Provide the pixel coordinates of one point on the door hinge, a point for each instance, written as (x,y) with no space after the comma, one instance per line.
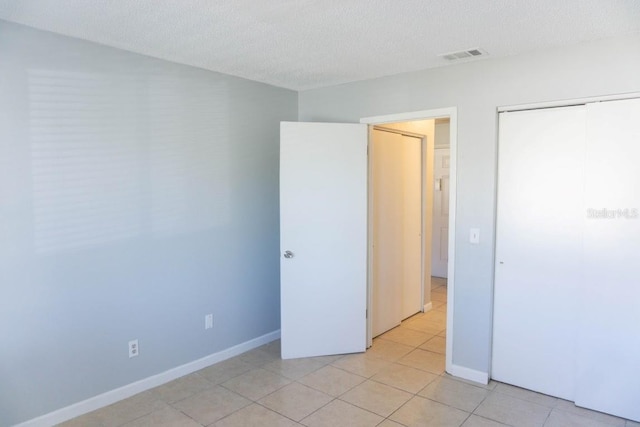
(366,314)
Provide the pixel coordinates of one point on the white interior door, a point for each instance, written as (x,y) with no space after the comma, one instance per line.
(323,223)
(538,248)
(440,226)
(608,370)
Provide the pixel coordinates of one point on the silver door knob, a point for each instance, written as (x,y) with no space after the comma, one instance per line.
(288,254)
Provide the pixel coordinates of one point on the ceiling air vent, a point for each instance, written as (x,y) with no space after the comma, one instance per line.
(463,54)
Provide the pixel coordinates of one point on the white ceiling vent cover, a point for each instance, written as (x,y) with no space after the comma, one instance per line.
(464,54)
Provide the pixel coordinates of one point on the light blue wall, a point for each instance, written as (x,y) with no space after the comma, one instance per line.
(136,195)
(477,89)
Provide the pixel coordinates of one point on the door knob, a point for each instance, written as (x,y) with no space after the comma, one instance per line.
(288,254)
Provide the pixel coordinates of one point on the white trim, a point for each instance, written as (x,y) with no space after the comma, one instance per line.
(452,113)
(427,307)
(424,217)
(369,234)
(399,131)
(468,374)
(406,117)
(568,102)
(453,197)
(129,390)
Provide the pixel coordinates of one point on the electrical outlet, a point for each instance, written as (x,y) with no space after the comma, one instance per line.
(208,321)
(134,349)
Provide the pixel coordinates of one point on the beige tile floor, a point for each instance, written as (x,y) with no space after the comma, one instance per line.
(400,381)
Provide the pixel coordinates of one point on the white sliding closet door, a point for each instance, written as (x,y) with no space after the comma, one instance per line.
(608,357)
(396,180)
(387,210)
(412,225)
(538,248)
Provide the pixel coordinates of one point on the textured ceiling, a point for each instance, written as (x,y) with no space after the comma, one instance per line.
(302,44)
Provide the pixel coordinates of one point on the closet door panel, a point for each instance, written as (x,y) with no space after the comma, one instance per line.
(412,225)
(608,368)
(387,214)
(538,248)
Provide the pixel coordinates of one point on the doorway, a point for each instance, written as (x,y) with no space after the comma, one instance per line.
(408,122)
(324,235)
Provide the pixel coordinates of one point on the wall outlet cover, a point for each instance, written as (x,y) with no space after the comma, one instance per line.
(208,321)
(134,349)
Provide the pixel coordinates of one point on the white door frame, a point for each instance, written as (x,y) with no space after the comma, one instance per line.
(452,113)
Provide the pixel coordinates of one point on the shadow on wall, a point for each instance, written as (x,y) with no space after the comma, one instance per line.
(119,156)
(136,196)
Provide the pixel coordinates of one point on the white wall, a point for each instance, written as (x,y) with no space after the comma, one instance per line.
(477,89)
(136,196)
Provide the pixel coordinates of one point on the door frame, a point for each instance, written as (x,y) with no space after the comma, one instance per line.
(452,114)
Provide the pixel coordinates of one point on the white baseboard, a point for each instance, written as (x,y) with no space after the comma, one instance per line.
(468,374)
(129,390)
(427,307)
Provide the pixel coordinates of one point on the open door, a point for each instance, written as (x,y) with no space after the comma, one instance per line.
(323,238)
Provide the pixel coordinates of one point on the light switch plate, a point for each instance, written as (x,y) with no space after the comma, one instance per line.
(474,236)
